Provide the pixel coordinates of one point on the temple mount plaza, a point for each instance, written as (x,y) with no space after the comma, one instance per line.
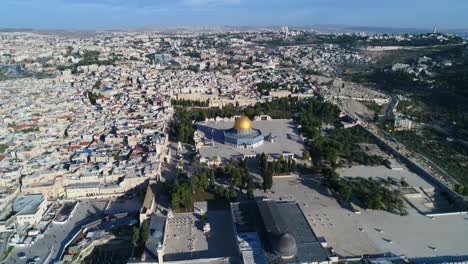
(222,139)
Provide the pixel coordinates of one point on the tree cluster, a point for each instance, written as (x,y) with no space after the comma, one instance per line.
(189,103)
(183,189)
(92,97)
(342,143)
(91,57)
(265,87)
(237,173)
(368,193)
(3,147)
(140,235)
(182,128)
(309,113)
(271,168)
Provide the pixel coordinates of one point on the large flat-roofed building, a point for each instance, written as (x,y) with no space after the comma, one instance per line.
(154,247)
(290,235)
(29,209)
(286,235)
(247,224)
(204,237)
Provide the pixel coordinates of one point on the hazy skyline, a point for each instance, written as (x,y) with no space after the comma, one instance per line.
(115,14)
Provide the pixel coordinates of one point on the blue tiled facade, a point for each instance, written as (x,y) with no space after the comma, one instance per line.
(243,138)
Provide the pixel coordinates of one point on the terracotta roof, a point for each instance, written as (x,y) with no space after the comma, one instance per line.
(21,127)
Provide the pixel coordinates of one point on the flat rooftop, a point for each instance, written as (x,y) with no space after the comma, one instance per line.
(184,238)
(157,223)
(287,217)
(27,204)
(284,132)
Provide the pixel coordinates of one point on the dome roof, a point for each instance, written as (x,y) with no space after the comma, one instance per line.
(243,123)
(286,246)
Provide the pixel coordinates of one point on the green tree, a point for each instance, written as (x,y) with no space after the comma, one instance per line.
(374,201)
(220,191)
(236,177)
(263,161)
(92,97)
(180,133)
(346,191)
(403,182)
(144,232)
(306,155)
(69,50)
(203,180)
(135,236)
(212,178)
(97,84)
(250,188)
(232,194)
(175,200)
(3,147)
(116,156)
(245,163)
(194,182)
(186,195)
(459,188)
(267,178)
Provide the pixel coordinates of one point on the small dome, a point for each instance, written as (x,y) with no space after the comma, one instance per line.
(286,246)
(243,123)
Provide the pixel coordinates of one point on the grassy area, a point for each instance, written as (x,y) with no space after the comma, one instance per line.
(198,196)
(201,195)
(7,251)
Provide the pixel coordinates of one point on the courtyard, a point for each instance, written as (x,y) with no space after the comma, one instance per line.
(283,132)
(416,236)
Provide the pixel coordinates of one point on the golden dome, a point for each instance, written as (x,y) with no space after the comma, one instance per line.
(243,123)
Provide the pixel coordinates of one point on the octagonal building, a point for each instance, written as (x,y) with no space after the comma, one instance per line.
(243,135)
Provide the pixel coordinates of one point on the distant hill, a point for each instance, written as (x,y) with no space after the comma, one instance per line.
(325,28)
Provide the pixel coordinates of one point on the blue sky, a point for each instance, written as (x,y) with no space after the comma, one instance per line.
(114,14)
